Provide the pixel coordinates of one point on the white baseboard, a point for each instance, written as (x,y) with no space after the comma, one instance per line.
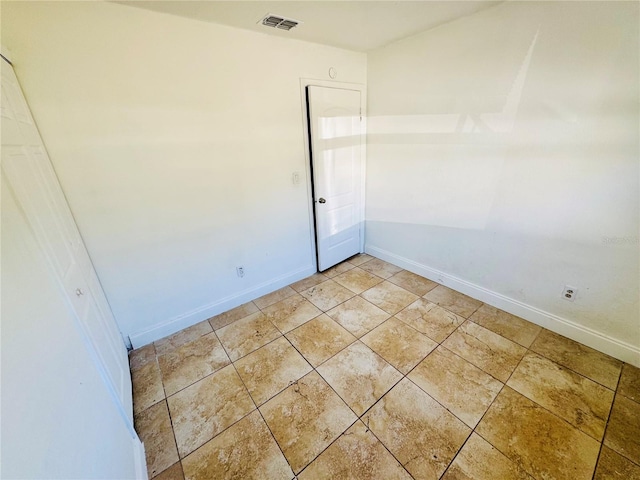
(199,314)
(592,338)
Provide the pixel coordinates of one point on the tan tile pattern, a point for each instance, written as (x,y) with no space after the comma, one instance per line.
(417,430)
(338,269)
(225,456)
(356,455)
(509,326)
(358,316)
(357,280)
(583,403)
(399,344)
(579,358)
(182,337)
(233,315)
(389,297)
(147,386)
(434,321)
(291,312)
(380,268)
(412,282)
(612,466)
(492,353)
(478,460)
(192,361)
(206,408)
(274,297)
(536,440)
(154,428)
(271,369)
(453,301)
(623,430)
(461,387)
(327,295)
(449,371)
(359,376)
(320,339)
(306,418)
(246,335)
(630,382)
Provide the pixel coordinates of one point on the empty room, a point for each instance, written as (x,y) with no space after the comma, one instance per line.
(320,240)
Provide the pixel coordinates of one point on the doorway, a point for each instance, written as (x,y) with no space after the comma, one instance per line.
(335,130)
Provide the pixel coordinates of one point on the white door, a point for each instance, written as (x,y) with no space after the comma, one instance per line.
(336,158)
(26,167)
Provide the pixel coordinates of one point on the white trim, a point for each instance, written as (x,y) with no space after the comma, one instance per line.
(204,312)
(362,88)
(588,336)
(140,459)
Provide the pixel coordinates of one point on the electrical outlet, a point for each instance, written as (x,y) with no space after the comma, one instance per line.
(240,271)
(569,293)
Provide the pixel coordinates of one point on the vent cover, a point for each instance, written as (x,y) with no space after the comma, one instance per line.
(278,21)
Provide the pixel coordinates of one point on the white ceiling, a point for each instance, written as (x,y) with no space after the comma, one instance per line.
(354,25)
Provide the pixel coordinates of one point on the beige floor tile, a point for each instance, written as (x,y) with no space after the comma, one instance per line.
(380,268)
(291,312)
(338,269)
(327,295)
(141,356)
(579,358)
(417,430)
(147,386)
(204,409)
(435,322)
(399,344)
(478,460)
(154,429)
(182,337)
(453,301)
(189,363)
(412,282)
(360,259)
(357,280)
(274,297)
(536,440)
(358,316)
(233,315)
(583,403)
(509,326)
(487,350)
(244,451)
(464,389)
(246,335)
(271,369)
(309,282)
(306,418)
(623,430)
(630,382)
(356,455)
(174,472)
(389,297)
(319,339)
(359,376)
(612,466)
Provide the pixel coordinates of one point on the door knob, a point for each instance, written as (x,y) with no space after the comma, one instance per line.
(322,200)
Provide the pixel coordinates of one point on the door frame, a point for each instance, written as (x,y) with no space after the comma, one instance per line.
(304,83)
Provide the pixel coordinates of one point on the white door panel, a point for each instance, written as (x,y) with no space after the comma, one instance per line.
(336,155)
(28,170)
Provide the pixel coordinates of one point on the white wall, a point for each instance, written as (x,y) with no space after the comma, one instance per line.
(503,159)
(58,419)
(175,142)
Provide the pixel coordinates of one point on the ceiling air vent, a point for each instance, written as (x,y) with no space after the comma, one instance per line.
(277,21)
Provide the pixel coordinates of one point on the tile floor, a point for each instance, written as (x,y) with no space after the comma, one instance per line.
(371,372)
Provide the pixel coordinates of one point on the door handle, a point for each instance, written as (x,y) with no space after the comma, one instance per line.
(322,200)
